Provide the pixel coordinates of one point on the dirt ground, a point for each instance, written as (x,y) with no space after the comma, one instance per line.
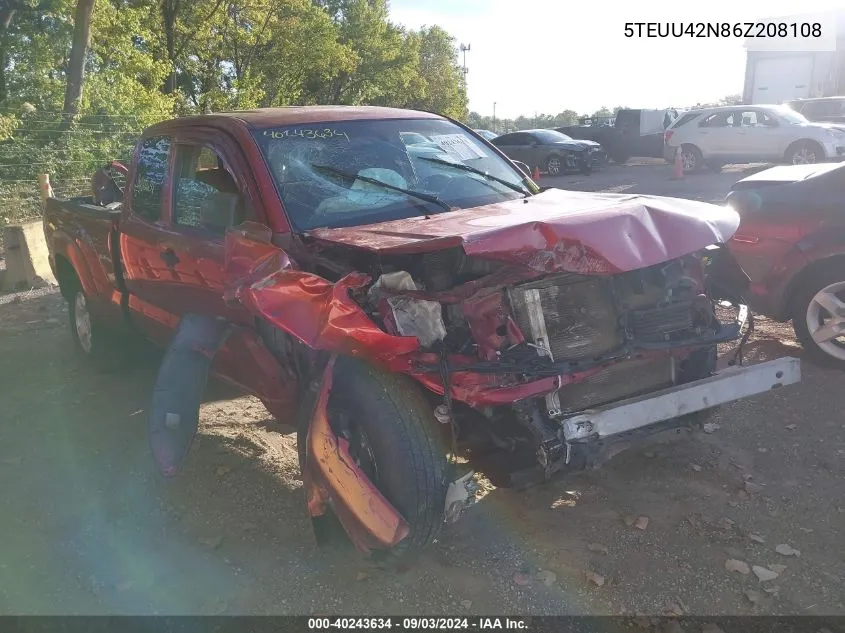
(88,527)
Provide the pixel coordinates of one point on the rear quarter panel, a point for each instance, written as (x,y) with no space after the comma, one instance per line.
(81,234)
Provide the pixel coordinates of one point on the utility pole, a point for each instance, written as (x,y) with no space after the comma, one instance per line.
(494,116)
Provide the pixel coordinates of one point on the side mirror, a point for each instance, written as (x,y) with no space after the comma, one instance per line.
(525,169)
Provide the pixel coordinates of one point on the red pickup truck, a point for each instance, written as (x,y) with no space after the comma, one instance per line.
(393,286)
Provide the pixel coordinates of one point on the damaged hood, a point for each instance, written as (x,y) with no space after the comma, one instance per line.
(557,230)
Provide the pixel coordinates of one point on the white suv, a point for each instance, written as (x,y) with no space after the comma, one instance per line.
(744,134)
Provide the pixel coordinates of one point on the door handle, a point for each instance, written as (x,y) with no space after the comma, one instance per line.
(169,257)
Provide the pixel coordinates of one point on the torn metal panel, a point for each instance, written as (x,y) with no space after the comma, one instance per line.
(333,477)
(491,324)
(321,314)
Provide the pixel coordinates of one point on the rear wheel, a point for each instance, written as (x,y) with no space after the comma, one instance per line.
(691,159)
(107,348)
(818,318)
(91,338)
(554,166)
(392,437)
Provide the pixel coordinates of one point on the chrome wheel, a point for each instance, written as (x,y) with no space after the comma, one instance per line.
(553,166)
(826,320)
(804,156)
(82,322)
(689,161)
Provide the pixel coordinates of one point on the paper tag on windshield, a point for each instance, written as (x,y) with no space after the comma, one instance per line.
(458,146)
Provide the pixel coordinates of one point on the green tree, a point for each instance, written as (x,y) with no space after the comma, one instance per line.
(440,83)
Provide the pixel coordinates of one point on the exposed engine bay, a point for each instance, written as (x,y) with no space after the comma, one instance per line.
(596,338)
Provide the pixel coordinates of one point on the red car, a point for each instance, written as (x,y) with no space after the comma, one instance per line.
(399,303)
(791,244)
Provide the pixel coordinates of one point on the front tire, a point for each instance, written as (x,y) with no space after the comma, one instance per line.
(804,153)
(818,318)
(392,434)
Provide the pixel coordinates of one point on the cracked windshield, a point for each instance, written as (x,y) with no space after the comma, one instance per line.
(360,172)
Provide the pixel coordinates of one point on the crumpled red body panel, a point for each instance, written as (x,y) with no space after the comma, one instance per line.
(319,313)
(557,230)
(331,477)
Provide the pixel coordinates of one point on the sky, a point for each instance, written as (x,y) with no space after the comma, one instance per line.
(546,56)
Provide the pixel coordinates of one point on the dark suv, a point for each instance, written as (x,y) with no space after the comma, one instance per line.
(821,110)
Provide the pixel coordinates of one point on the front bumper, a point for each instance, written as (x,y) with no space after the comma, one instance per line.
(834,151)
(733,383)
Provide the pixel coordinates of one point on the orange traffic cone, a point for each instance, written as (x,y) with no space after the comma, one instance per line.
(678,167)
(536,175)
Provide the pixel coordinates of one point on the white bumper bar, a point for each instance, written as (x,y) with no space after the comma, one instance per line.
(733,383)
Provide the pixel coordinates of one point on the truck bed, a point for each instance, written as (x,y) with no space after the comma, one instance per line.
(81,233)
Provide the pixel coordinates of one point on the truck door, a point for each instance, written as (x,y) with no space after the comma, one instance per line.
(209,196)
(144,260)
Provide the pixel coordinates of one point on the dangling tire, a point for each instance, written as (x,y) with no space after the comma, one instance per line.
(392,437)
(818,317)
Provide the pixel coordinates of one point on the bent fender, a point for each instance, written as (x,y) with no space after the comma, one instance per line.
(331,475)
(179,387)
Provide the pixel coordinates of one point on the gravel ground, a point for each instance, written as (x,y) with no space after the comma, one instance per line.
(89,527)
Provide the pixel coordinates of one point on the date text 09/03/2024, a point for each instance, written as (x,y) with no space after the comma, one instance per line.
(762,30)
(418,624)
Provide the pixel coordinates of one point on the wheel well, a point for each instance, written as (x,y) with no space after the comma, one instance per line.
(806,274)
(803,141)
(66,276)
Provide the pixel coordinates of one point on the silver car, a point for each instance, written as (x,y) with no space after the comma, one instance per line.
(744,134)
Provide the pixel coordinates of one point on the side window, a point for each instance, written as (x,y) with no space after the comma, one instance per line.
(689,116)
(748,118)
(766,119)
(149,177)
(506,140)
(717,119)
(205,195)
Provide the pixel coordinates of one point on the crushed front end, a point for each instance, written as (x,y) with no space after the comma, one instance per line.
(522,353)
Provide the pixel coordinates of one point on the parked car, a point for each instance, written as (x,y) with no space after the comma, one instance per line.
(551,151)
(486,134)
(398,306)
(628,133)
(743,134)
(791,244)
(821,110)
